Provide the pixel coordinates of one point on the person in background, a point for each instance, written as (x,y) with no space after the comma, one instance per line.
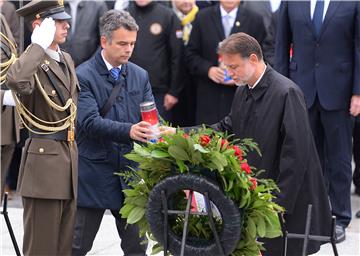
(330,81)
(184,111)
(159,50)
(109,120)
(44,79)
(13,20)
(83,37)
(10,133)
(215,90)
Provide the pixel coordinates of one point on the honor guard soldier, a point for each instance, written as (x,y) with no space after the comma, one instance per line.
(45,89)
(10,133)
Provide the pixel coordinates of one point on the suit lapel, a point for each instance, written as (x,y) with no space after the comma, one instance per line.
(216,17)
(333,5)
(305,7)
(102,69)
(59,73)
(240,18)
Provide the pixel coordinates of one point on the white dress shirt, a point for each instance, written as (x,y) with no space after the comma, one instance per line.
(257,81)
(108,65)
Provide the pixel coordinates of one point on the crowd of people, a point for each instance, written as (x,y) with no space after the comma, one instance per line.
(286,74)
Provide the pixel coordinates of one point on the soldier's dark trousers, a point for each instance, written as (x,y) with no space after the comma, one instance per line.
(87,225)
(48,226)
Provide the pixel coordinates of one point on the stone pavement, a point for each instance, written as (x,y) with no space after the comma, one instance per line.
(107,240)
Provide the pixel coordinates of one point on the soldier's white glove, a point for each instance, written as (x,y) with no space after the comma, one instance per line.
(8,99)
(43,35)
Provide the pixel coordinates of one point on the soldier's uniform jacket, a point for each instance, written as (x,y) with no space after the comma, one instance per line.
(48,167)
(9,120)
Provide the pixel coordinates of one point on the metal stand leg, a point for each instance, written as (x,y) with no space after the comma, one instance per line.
(307,237)
(333,235)
(212,224)
(285,233)
(8,224)
(186,223)
(307,230)
(166,215)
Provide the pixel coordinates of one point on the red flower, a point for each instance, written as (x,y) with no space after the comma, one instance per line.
(238,153)
(245,167)
(254,183)
(161,140)
(204,140)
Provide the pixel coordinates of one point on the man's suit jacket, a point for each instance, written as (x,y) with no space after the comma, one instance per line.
(328,65)
(103,141)
(214,100)
(48,167)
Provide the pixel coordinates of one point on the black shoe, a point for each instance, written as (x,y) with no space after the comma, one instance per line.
(357,215)
(340,234)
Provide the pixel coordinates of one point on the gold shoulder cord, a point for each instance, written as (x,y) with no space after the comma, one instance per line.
(5,66)
(46,127)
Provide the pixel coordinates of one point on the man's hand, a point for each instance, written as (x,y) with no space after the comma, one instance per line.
(169,101)
(355,105)
(164,130)
(141,132)
(216,74)
(43,35)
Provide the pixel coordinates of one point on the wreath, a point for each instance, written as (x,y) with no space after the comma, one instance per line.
(221,162)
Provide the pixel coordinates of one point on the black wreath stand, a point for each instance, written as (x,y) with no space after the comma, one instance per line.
(187,213)
(307,236)
(8,224)
(158,212)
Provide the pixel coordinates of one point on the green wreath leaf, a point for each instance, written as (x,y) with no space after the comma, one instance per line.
(135,215)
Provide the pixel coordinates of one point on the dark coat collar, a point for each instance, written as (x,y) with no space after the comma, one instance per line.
(262,86)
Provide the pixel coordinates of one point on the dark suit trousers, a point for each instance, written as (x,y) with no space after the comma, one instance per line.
(356,153)
(87,225)
(7,152)
(332,132)
(48,226)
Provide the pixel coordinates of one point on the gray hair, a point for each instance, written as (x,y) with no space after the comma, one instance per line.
(115,19)
(240,43)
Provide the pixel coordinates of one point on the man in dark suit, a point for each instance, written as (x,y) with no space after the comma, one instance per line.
(45,80)
(83,38)
(107,133)
(271,109)
(215,91)
(325,39)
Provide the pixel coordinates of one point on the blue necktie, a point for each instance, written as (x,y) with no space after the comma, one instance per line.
(318,16)
(115,72)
